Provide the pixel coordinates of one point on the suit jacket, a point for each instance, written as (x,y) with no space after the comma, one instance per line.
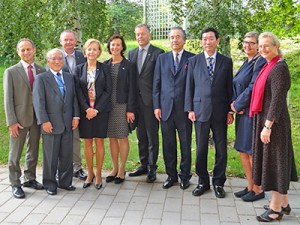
(126,84)
(103,87)
(18,95)
(79,58)
(145,78)
(207,99)
(168,84)
(51,106)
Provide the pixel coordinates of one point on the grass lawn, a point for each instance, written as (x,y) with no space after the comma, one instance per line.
(234,167)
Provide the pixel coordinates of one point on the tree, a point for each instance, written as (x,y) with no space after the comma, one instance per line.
(43,21)
(123,16)
(224,15)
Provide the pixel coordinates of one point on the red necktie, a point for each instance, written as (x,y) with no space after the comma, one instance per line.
(30,76)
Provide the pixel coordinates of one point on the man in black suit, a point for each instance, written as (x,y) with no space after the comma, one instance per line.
(73,58)
(147,129)
(207,99)
(168,101)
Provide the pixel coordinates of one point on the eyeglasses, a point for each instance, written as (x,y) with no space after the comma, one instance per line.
(264,46)
(249,43)
(56,58)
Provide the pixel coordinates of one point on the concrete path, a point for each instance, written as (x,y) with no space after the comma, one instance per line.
(136,202)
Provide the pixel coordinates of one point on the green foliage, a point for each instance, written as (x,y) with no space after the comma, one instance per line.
(123,16)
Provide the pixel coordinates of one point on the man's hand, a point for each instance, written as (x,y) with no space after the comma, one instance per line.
(230,118)
(75,123)
(47,127)
(192,116)
(14,129)
(157,114)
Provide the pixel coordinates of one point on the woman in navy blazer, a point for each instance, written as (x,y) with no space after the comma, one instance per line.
(242,90)
(123,101)
(93,85)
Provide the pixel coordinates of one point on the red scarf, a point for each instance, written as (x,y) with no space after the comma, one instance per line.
(259,87)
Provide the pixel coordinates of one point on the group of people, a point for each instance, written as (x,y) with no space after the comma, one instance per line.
(76,97)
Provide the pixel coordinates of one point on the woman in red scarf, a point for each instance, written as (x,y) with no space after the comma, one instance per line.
(273,157)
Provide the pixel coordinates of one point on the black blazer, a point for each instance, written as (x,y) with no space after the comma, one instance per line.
(207,99)
(145,78)
(126,84)
(103,87)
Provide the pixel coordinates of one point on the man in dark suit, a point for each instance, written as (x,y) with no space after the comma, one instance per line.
(20,118)
(147,129)
(73,58)
(207,99)
(168,102)
(56,107)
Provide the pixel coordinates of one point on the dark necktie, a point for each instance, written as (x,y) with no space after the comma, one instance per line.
(60,84)
(210,68)
(140,59)
(176,61)
(30,75)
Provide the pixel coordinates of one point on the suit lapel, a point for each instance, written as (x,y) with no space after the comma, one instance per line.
(218,64)
(203,65)
(182,61)
(171,63)
(83,78)
(53,84)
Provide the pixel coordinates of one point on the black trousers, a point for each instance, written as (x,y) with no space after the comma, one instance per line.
(219,131)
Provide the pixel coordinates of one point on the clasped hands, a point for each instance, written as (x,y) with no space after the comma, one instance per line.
(91,113)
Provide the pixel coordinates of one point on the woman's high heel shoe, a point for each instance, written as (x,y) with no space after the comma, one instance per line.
(87,184)
(98,186)
(109,179)
(265,217)
(286,210)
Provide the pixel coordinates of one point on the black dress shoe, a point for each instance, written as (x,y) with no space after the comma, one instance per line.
(286,210)
(33,184)
(200,189)
(151,176)
(51,191)
(219,191)
(184,184)
(80,174)
(169,183)
(139,171)
(18,192)
(68,188)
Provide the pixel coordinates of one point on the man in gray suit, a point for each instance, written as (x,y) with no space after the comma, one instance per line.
(20,118)
(56,107)
(73,58)
(147,129)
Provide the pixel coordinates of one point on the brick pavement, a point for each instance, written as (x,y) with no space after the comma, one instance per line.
(136,202)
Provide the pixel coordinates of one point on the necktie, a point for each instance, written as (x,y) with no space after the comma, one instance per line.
(30,75)
(210,68)
(176,61)
(140,60)
(60,84)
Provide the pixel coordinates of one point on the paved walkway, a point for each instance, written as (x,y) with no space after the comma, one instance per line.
(135,202)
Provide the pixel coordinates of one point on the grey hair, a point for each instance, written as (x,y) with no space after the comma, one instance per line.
(143,25)
(52,51)
(179,28)
(68,31)
(274,39)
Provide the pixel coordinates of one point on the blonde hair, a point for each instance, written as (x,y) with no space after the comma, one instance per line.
(274,39)
(89,42)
